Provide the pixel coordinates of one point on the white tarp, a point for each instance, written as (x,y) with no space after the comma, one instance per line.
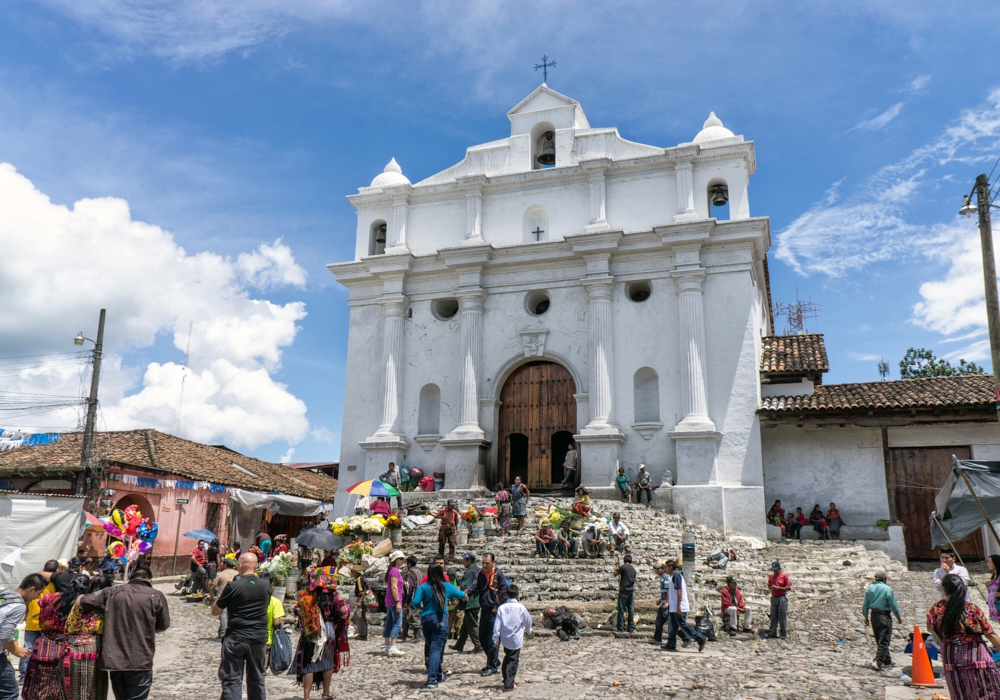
(34,529)
(247,507)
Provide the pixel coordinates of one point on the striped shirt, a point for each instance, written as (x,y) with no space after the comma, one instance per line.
(12,611)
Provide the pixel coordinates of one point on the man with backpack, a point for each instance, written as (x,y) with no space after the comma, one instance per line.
(13,608)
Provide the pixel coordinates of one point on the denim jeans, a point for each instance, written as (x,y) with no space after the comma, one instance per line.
(30,637)
(678,624)
(572,549)
(543,549)
(9,689)
(487,618)
(393,623)
(435,629)
(626,604)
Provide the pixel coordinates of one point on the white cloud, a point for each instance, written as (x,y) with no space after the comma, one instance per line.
(881,120)
(862,357)
(61,264)
(287,457)
(871,225)
(917,85)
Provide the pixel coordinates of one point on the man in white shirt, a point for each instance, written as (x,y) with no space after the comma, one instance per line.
(617,532)
(677,601)
(512,623)
(949,566)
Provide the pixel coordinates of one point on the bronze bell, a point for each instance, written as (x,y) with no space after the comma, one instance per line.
(548,154)
(380,235)
(719,194)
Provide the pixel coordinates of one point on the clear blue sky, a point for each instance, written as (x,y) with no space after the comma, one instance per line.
(226,126)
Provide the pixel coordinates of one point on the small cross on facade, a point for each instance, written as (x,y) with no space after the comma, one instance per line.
(545,65)
(538,233)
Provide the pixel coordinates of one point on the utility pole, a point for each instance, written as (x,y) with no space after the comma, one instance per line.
(990,279)
(93,471)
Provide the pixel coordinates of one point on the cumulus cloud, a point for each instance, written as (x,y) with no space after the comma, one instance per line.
(840,234)
(61,264)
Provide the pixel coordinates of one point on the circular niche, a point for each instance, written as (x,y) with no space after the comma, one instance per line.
(444,309)
(537,303)
(639,291)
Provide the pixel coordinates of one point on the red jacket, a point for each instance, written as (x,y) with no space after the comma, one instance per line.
(731,598)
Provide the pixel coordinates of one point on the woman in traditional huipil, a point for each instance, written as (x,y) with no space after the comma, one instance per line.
(960,627)
(323,646)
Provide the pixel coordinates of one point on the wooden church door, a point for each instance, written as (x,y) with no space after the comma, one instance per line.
(537,416)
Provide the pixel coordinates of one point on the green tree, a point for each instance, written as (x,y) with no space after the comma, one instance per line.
(920,362)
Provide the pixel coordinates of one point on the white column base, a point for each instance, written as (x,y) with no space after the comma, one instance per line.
(600,428)
(688,215)
(695,424)
(466,432)
(379,451)
(597,226)
(464,462)
(397,250)
(696,453)
(473,240)
(600,455)
(732,509)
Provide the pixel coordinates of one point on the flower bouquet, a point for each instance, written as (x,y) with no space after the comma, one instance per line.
(471,516)
(280,567)
(339,527)
(394,522)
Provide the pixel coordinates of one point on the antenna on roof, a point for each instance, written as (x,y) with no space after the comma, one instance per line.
(883,369)
(187,355)
(796,314)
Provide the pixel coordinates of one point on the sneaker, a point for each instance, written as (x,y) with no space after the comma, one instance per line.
(685,643)
(457,648)
(489,672)
(876,666)
(701,644)
(431,686)
(563,636)
(655,641)
(395,651)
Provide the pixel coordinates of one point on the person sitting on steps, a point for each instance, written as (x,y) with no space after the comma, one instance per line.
(545,541)
(618,533)
(567,542)
(733,606)
(624,484)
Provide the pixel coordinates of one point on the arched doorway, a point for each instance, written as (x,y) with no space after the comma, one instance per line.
(537,419)
(140,502)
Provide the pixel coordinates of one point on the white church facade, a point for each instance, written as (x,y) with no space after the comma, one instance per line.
(564,284)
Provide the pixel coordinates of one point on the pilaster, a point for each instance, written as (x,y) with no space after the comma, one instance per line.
(598,194)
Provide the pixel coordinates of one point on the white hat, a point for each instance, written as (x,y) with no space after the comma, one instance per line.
(396,554)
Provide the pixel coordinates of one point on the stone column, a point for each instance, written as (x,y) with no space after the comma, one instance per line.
(471,306)
(692,326)
(685,192)
(393,361)
(599,292)
(474,217)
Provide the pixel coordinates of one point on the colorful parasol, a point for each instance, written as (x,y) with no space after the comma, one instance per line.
(373,488)
(93,520)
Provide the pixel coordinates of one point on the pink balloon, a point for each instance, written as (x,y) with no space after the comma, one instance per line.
(112,529)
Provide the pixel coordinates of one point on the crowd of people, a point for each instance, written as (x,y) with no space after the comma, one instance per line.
(826,523)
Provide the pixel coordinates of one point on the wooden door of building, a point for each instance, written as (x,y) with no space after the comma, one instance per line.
(917,474)
(537,411)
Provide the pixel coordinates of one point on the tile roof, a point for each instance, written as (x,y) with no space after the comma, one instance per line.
(932,392)
(160,452)
(794,354)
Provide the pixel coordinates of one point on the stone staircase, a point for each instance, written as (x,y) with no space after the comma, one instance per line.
(819,571)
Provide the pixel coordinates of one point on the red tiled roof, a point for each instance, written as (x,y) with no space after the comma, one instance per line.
(794,354)
(965,391)
(160,452)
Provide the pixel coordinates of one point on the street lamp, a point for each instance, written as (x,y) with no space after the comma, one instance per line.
(78,340)
(967,210)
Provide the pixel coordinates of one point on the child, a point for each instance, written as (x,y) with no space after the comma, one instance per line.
(275,611)
(512,623)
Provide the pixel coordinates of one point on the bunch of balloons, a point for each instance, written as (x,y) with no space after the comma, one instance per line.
(135,535)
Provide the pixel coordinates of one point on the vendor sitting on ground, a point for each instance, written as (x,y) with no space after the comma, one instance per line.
(618,533)
(545,541)
(381,507)
(563,621)
(567,541)
(733,607)
(776,511)
(581,504)
(593,545)
(624,484)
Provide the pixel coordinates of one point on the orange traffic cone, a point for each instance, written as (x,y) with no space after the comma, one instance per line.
(923,675)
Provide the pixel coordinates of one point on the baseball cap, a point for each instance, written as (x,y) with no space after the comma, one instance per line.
(469,555)
(775,566)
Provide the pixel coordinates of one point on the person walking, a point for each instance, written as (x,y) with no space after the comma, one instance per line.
(519,495)
(512,623)
(960,626)
(663,611)
(949,565)
(432,599)
(470,608)
(323,620)
(13,608)
(626,595)
(244,647)
(491,587)
(394,592)
(134,613)
(448,529)
(677,601)
(275,613)
(83,635)
(779,584)
(361,591)
(569,467)
(411,581)
(392,477)
(881,602)
(225,577)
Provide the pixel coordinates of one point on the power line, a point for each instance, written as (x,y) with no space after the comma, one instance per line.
(48,354)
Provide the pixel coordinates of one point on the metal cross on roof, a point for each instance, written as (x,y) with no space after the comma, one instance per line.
(545,65)
(538,233)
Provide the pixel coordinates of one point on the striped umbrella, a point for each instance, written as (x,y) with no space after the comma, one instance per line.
(373,488)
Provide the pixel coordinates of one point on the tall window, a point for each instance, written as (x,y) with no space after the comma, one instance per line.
(376,238)
(429,419)
(646,396)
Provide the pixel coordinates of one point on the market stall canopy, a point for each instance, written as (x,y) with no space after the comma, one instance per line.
(277,503)
(957,514)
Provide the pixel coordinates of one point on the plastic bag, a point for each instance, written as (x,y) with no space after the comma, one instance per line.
(370,601)
(703,623)
(281,651)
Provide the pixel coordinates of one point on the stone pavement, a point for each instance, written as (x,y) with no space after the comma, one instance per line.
(827,653)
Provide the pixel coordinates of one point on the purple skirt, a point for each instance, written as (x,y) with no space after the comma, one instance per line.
(970,672)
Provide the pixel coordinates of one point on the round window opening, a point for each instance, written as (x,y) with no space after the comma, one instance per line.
(639,291)
(537,303)
(445,308)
